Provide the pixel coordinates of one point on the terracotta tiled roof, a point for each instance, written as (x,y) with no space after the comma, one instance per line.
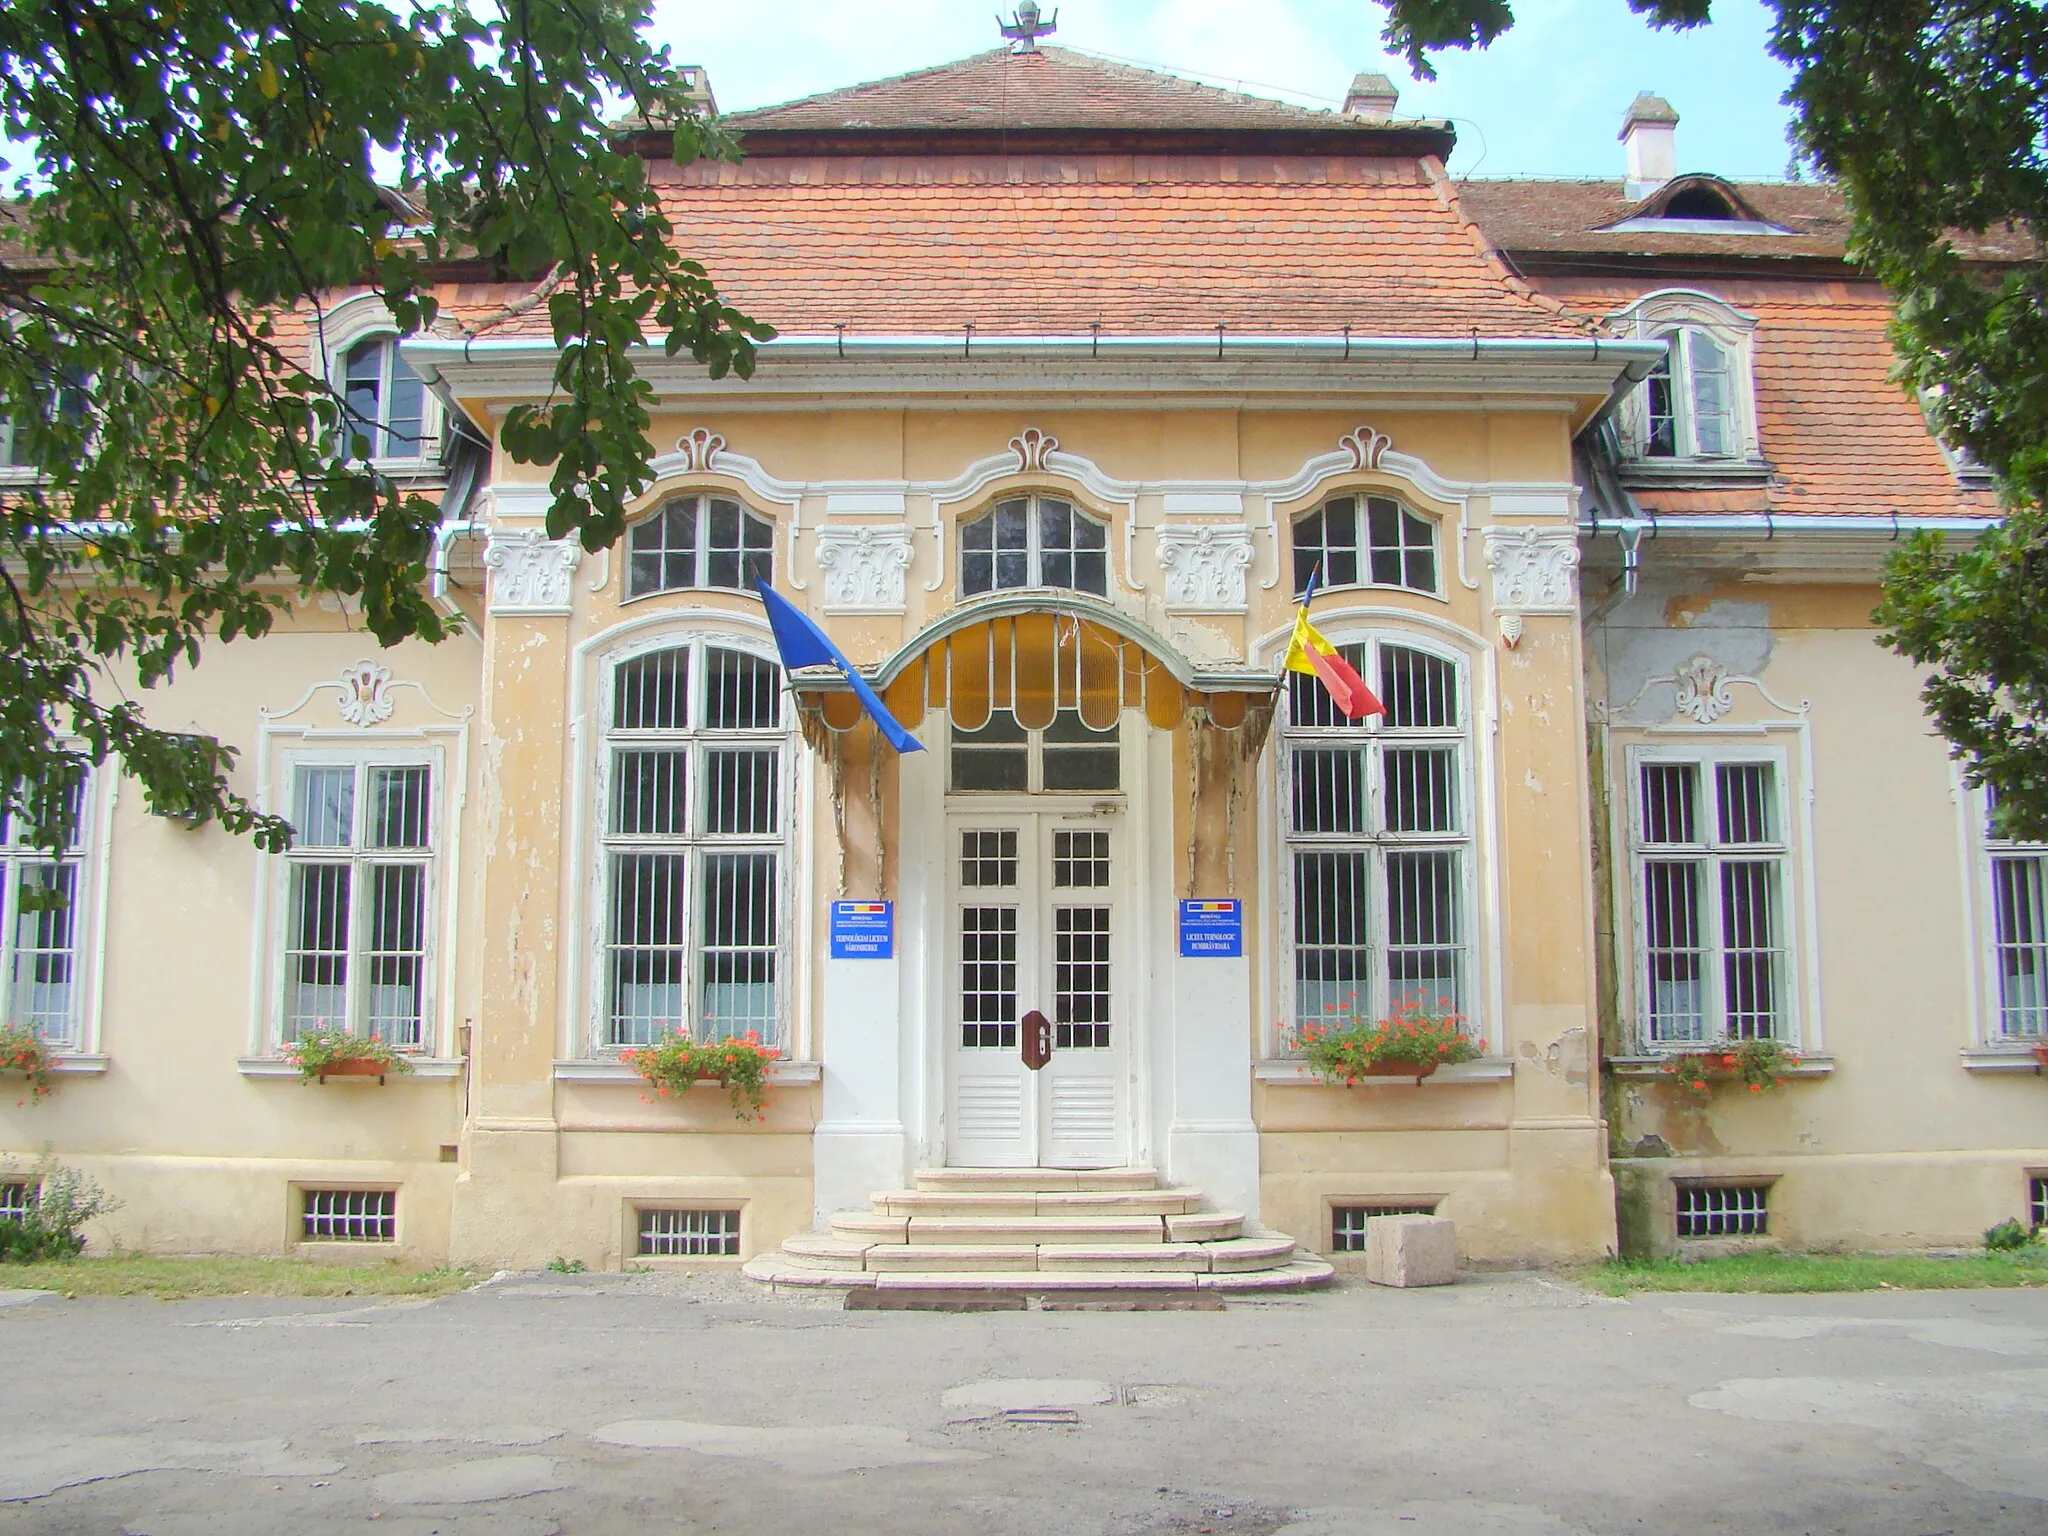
(1840,436)
(1563,218)
(1135,243)
(1054,88)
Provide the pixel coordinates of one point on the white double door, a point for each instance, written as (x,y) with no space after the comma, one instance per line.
(1033,909)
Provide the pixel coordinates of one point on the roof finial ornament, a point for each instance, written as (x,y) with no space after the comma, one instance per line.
(1025,29)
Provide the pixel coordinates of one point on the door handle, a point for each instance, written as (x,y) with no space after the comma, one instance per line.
(1034,1039)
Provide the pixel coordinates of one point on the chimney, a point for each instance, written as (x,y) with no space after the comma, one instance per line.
(1650,135)
(1372,97)
(697,86)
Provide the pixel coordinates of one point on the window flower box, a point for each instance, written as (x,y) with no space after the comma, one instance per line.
(1413,1042)
(1759,1065)
(323,1053)
(675,1061)
(23,1054)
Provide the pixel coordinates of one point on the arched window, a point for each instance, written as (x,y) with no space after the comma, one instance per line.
(1689,402)
(699,541)
(695,845)
(1034,541)
(1379,834)
(384,403)
(1358,541)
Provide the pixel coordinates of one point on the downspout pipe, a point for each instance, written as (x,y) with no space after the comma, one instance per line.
(1631,536)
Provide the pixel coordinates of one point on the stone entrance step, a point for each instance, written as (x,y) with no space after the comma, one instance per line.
(1040,1229)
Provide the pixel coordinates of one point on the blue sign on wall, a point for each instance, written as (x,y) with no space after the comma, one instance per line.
(1212,929)
(863,930)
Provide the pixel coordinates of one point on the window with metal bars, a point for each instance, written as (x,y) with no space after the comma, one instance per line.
(699,541)
(1379,840)
(2019,929)
(1034,541)
(695,840)
(1347,1222)
(348,1216)
(384,403)
(359,898)
(670,1234)
(1713,934)
(42,908)
(1723,1210)
(1365,541)
(2037,1200)
(14,1202)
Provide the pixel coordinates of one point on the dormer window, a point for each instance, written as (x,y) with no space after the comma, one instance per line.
(1689,411)
(1695,413)
(699,541)
(1360,541)
(1034,541)
(384,403)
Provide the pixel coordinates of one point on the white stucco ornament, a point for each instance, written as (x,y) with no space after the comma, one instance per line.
(864,568)
(530,572)
(1535,570)
(1366,447)
(365,690)
(1205,565)
(1703,693)
(698,448)
(1031,447)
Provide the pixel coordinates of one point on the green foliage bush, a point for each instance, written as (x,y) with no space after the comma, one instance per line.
(60,1202)
(2008,1235)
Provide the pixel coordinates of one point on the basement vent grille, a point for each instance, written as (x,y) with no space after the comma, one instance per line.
(2037,1200)
(1347,1222)
(14,1201)
(689,1234)
(1723,1210)
(350,1216)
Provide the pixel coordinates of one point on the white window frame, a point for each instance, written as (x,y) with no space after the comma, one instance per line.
(336,333)
(1034,552)
(360,858)
(1793,898)
(1675,315)
(1467,841)
(1362,548)
(86,855)
(14,470)
(595,1035)
(702,550)
(1987,850)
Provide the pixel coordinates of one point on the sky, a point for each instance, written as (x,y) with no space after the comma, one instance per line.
(1546,100)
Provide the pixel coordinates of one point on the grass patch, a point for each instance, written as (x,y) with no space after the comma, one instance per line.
(1785,1273)
(175,1279)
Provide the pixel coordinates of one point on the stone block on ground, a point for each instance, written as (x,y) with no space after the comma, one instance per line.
(1411,1250)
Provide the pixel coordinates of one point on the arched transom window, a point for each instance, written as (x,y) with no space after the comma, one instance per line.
(695,845)
(699,541)
(1359,541)
(1034,541)
(1379,833)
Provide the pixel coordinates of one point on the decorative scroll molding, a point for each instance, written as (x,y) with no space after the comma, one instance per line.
(1365,446)
(365,694)
(1704,693)
(1535,570)
(864,568)
(531,573)
(1703,690)
(697,448)
(1031,446)
(1205,566)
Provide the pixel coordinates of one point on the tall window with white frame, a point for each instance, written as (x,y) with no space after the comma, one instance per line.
(358,897)
(2019,930)
(1689,398)
(1034,541)
(384,403)
(1711,864)
(1380,841)
(694,846)
(41,922)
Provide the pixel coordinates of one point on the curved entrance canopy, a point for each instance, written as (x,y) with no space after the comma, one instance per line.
(1037,656)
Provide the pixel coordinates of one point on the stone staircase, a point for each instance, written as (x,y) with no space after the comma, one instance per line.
(1040,1229)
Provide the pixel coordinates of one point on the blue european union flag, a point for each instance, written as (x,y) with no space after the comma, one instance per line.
(802,644)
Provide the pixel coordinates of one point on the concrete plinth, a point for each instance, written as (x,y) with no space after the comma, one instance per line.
(1411,1250)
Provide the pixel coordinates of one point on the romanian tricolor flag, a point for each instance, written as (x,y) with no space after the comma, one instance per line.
(1309,652)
